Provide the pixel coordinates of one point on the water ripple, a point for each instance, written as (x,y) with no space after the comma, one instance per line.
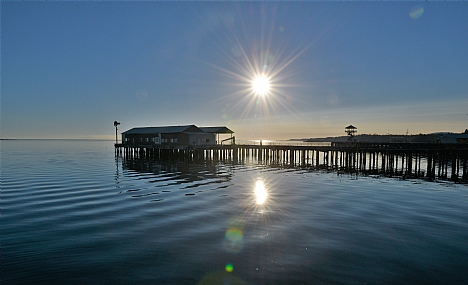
(72,213)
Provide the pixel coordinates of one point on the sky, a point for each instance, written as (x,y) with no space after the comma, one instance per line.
(70,69)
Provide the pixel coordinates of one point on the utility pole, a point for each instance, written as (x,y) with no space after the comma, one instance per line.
(115,125)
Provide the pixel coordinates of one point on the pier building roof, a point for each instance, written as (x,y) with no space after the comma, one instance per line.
(164,130)
(178,129)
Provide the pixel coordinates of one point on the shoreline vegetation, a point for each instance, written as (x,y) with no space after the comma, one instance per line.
(443,137)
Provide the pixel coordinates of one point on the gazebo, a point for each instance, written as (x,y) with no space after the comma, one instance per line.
(351,131)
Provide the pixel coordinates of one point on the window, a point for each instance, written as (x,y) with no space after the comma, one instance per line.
(175,140)
(207,140)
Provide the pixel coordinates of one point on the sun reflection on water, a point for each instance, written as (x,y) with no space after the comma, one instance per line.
(260,192)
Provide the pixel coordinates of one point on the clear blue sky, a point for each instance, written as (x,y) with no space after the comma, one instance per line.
(69,69)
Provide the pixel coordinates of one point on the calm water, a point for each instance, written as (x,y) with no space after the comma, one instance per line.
(71,213)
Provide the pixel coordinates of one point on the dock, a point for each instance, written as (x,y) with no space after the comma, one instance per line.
(408,160)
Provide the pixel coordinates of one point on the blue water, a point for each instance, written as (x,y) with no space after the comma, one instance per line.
(73,213)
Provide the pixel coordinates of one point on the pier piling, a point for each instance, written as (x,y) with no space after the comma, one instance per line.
(407,160)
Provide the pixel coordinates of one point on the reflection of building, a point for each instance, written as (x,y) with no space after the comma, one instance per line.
(173,135)
(177,172)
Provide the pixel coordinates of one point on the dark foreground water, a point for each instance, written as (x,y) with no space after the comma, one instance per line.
(71,213)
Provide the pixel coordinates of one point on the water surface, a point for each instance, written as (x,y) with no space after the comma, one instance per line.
(73,213)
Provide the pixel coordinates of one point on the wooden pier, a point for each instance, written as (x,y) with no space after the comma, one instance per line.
(407,160)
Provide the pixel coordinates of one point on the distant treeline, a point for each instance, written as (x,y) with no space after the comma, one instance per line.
(421,138)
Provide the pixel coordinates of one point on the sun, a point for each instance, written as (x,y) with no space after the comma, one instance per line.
(261,85)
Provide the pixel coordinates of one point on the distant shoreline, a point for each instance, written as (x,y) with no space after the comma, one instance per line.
(420,138)
(54,139)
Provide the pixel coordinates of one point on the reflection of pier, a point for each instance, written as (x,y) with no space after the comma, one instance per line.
(441,161)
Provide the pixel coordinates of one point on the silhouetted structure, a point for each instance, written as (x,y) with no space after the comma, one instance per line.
(406,160)
(219,130)
(351,132)
(172,136)
(115,125)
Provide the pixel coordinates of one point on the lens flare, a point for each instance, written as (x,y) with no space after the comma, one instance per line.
(234,235)
(234,238)
(229,267)
(416,12)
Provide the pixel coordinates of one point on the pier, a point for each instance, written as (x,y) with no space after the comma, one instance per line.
(407,160)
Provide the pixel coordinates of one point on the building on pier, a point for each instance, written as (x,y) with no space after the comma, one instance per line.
(188,135)
(217,131)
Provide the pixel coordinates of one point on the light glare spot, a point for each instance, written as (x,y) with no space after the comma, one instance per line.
(261,85)
(260,192)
